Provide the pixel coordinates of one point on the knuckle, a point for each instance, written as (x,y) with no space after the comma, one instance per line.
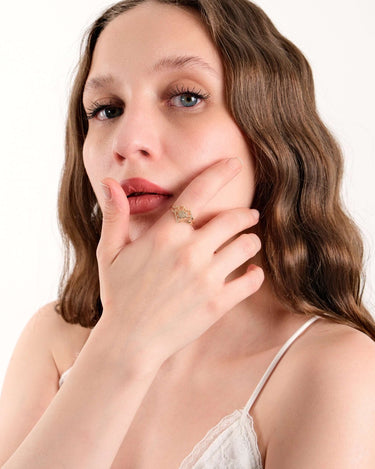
(234,217)
(207,280)
(223,218)
(188,258)
(163,237)
(110,217)
(213,306)
(238,217)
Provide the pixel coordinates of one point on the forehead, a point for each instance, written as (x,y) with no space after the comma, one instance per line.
(143,36)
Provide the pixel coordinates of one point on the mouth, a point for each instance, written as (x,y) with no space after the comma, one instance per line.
(135,187)
(139,194)
(141,202)
(143,195)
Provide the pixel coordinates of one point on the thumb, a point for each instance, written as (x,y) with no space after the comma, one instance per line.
(115,226)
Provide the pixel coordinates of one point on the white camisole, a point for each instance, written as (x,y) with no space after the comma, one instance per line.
(232,443)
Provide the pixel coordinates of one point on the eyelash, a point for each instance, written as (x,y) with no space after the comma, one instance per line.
(96,107)
(177,91)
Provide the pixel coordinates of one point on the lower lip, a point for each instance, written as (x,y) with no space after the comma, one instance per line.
(146,203)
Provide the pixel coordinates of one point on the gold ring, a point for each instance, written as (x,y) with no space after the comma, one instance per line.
(182,214)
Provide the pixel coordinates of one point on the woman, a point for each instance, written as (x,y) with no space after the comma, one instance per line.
(176,329)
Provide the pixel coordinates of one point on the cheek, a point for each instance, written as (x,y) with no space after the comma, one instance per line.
(88,161)
(203,142)
(94,160)
(223,139)
(93,164)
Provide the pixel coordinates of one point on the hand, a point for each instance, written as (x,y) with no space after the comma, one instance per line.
(166,288)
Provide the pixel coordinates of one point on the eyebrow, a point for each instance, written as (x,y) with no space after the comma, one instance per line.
(173,62)
(183,61)
(100,81)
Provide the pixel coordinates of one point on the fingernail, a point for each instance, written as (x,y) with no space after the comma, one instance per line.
(234,163)
(106,191)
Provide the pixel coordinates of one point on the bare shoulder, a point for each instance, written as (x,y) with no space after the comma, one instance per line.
(41,330)
(336,363)
(65,340)
(335,350)
(326,416)
(46,344)
(48,331)
(31,379)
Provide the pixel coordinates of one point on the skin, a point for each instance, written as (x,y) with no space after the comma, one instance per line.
(305,416)
(158,138)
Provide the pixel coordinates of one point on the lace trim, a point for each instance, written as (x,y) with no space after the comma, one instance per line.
(202,446)
(249,422)
(247,431)
(246,422)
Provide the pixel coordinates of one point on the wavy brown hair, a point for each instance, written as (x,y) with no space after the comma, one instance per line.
(312,251)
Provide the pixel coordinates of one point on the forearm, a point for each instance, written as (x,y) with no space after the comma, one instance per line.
(90,415)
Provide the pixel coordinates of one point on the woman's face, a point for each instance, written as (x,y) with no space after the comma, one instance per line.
(156,106)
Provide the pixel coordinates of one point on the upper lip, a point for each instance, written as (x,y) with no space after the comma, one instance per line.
(137,186)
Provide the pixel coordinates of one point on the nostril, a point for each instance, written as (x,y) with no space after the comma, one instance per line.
(119,157)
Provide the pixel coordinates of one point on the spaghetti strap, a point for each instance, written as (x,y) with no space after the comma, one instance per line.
(275,361)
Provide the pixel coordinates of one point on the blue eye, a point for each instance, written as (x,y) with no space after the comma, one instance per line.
(188,99)
(184,97)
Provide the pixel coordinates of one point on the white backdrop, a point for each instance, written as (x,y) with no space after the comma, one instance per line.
(39,44)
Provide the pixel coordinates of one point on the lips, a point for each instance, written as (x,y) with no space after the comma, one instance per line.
(137,187)
(144,196)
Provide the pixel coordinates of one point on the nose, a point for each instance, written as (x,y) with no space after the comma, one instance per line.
(138,133)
